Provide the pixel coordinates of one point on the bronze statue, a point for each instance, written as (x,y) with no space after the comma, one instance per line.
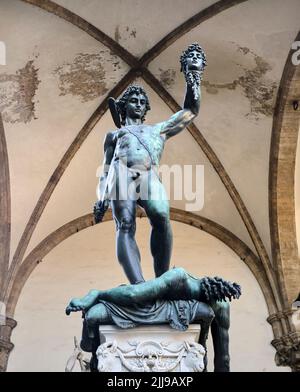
(176,298)
(138,148)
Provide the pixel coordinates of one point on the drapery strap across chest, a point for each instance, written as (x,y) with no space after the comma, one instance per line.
(142,142)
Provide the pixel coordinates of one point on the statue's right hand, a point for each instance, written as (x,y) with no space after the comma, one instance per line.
(100,208)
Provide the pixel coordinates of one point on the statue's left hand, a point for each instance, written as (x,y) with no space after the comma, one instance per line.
(193,75)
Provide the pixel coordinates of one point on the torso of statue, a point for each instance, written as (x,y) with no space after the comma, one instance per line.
(135,144)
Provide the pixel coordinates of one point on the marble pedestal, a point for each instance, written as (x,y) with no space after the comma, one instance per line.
(156,348)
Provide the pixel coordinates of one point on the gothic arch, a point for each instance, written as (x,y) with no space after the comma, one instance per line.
(281,182)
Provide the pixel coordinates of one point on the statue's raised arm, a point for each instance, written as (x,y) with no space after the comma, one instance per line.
(193,62)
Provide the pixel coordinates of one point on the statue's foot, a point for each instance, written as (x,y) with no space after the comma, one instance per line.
(139,282)
(75,305)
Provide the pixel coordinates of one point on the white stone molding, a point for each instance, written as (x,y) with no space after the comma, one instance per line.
(150,349)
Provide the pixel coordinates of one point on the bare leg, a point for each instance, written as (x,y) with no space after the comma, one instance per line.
(149,291)
(158,211)
(220,335)
(90,334)
(127,251)
(161,242)
(97,315)
(204,316)
(159,288)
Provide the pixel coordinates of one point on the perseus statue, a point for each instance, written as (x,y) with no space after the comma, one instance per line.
(138,147)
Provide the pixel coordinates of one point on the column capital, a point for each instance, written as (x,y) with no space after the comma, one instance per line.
(5,344)
(288,351)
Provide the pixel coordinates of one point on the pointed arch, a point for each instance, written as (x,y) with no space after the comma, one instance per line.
(5,208)
(283,150)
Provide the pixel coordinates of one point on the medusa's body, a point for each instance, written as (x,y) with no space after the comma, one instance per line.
(175,284)
(204,300)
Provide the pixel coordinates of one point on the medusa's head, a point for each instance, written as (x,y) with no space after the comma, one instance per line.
(134,103)
(193,59)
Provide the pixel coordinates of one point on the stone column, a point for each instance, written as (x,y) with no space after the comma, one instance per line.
(5,344)
(287,344)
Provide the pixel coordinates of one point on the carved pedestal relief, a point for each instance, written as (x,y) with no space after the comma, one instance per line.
(150,356)
(150,349)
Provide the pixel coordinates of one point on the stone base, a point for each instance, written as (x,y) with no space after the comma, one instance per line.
(157,348)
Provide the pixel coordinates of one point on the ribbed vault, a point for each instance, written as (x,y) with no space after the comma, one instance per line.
(154,83)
